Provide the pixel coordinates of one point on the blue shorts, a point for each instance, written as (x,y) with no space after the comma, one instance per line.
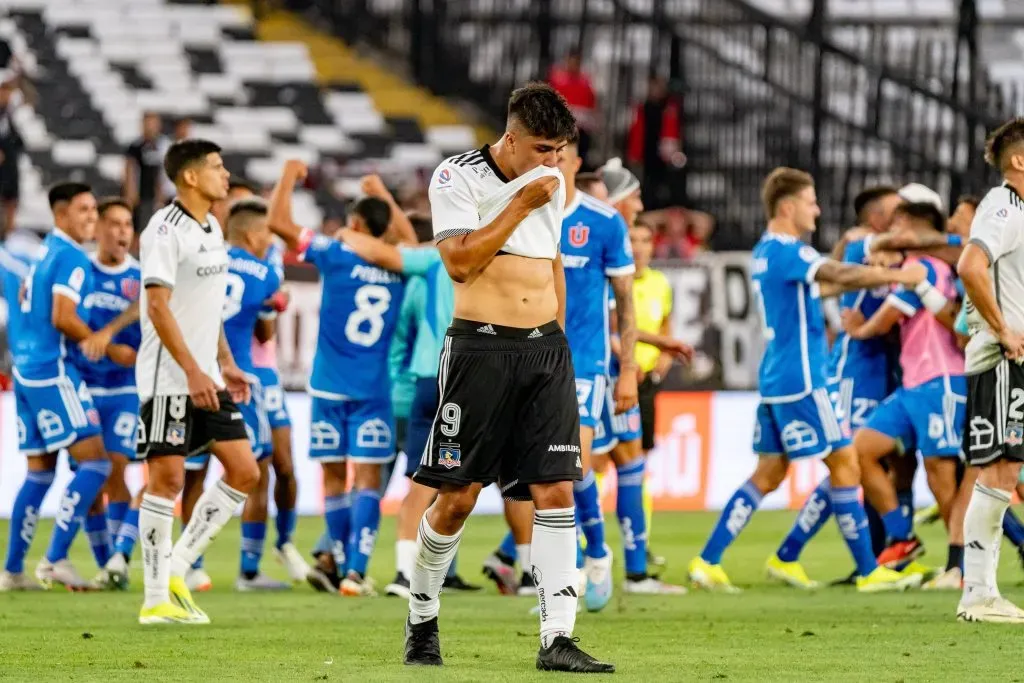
(855,399)
(930,415)
(614,429)
(360,431)
(119,416)
(54,415)
(421,422)
(590,395)
(257,428)
(806,428)
(273,398)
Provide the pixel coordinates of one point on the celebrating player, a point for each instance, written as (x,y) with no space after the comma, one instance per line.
(351,411)
(795,419)
(188,381)
(507,393)
(995,436)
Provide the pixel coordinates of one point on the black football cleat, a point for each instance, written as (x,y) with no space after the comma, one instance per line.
(564,655)
(457,583)
(422,646)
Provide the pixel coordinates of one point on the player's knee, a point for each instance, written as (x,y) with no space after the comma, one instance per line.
(770,473)
(455,506)
(165,482)
(554,496)
(243,476)
(283,469)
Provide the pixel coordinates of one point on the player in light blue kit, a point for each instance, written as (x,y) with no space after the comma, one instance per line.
(595,253)
(55,409)
(113,312)
(795,418)
(350,382)
(25,514)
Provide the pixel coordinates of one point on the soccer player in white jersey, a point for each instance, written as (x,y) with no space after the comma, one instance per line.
(507,390)
(992,270)
(188,381)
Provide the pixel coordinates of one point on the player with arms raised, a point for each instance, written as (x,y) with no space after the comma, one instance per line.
(185,372)
(507,390)
(992,270)
(795,418)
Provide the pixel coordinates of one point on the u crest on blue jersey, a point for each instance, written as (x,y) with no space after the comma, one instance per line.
(579,235)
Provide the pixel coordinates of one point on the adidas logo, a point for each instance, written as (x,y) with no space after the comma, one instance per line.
(579,462)
(108,285)
(202,249)
(567,592)
(536,333)
(975,545)
(486,329)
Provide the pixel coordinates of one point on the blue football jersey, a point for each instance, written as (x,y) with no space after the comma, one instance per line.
(796,352)
(250,282)
(114,288)
(595,246)
(856,358)
(15,269)
(63,268)
(358,314)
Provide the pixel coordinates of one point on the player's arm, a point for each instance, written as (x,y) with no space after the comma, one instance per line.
(466,252)
(850,235)
(96,344)
(558,271)
(279,212)
(836,278)
(234,378)
(626,386)
(67,295)
(373,250)
(400,224)
(945,247)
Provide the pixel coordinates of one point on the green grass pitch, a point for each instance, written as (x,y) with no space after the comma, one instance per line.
(768,633)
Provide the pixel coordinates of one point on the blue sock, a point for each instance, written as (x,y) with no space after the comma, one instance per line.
(735,515)
(78,498)
(812,517)
(897,526)
(853,524)
(99,538)
(127,533)
(588,514)
(508,547)
(115,515)
(1013,528)
(285,525)
(629,506)
(363,535)
(337,513)
(579,547)
(253,534)
(24,517)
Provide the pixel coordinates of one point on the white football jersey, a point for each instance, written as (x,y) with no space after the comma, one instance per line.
(468,191)
(189,258)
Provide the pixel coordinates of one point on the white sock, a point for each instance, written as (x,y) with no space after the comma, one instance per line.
(156,524)
(553,558)
(405,557)
(434,553)
(983,530)
(523,556)
(214,509)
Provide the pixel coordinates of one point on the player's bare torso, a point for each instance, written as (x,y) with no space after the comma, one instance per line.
(514,291)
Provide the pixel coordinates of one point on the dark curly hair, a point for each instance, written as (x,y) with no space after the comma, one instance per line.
(539,109)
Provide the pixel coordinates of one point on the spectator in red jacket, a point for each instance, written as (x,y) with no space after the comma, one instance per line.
(574,85)
(655,144)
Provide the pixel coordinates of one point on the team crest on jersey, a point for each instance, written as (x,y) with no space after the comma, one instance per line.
(1014,435)
(130,288)
(579,234)
(94,417)
(450,456)
(175,433)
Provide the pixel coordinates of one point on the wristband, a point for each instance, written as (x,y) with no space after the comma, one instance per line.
(932,298)
(954,240)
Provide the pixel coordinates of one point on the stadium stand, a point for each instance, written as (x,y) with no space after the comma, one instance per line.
(759,87)
(100,64)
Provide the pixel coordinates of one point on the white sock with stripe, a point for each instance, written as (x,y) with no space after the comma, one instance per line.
(553,564)
(434,555)
(214,509)
(983,531)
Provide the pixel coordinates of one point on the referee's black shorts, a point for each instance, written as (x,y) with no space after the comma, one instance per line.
(646,394)
(508,410)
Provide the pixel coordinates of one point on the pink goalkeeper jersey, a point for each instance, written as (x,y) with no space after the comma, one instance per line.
(928,348)
(264,355)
